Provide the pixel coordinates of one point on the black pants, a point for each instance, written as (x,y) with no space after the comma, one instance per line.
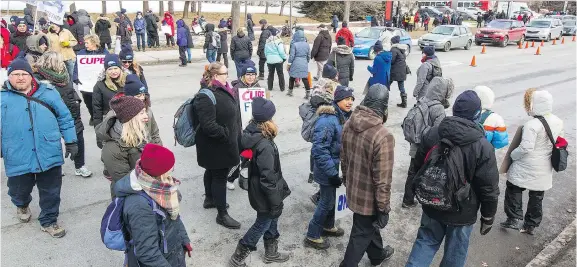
(364,238)
(169,40)
(182,54)
(79,159)
(478,24)
(224,57)
(280,74)
(215,187)
(409,196)
(154,40)
(109,45)
(87,96)
(305,82)
(261,63)
(514,205)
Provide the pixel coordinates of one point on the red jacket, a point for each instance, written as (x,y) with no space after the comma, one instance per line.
(5,56)
(169,21)
(348,35)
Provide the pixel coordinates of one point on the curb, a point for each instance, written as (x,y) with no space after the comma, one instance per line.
(551,251)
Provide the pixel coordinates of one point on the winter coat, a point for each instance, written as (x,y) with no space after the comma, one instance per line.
(240,47)
(208,37)
(139,24)
(144,226)
(72,102)
(123,30)
(381,69)
(188,36)
(58,40)
(299,57)
(267,187)
(169,21)
(85,21)
(223,41)
(494,125)
(274,50)
(322,46)
(181,34)
(348,35)
(425,71)
(101,97)
(19,39)
(335,21)
(151,23)
(9,51)
(30,133)
(102,29)
(343,60)
(77,31)
(217,140)
(531,167)
(12,27)
(250,27)
(33,53)
(480,168)
(100,51)
(29,19)
(264,35)
(367,159)
(398,62)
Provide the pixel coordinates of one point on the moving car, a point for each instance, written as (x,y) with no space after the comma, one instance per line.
(544,29)
(367,37)
(446,37)
(569,27)
(501,32)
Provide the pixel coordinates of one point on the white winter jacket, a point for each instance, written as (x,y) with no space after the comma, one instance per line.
(531,167)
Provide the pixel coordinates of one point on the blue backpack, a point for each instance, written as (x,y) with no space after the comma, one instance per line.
(184,131)
(114,232)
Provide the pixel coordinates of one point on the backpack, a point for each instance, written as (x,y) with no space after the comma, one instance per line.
(113,231)
(441,184)
(215,40)
(484,116)
(310,117)
(184,131)
(436,71)
(416,123)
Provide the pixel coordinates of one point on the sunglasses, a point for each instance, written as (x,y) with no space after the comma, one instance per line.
(127,61)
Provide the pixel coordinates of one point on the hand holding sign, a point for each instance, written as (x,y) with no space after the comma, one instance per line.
(246,95)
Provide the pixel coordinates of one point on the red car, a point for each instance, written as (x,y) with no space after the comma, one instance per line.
(501,32)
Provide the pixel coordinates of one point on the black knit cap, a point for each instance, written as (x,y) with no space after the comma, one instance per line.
(111,60)
(20,64)
(341,41)
(126,107)
(329,71)
(262,109)
(133,86)
(467,105)
(378,47)
(343,92)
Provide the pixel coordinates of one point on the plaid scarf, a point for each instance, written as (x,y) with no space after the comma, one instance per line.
(58,79)
(165,194)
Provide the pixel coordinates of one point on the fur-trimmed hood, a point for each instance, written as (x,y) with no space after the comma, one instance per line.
(326,109)
(400,46)
(343,50)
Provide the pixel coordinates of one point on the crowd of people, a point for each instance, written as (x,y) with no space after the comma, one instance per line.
(41,107)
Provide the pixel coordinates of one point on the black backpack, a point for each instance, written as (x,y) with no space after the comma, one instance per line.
(441,183)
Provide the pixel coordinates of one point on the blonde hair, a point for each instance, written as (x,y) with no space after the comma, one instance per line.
(528,99)
(134,132)
(211,71)
(136,68)
(268,128)
(93,38)
(52,61)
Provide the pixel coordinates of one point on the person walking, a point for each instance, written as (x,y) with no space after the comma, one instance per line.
(217,139)
(335,23)
(250,26)
(531,167)
(479,163)
(346,34)
(223,49)
(343,60)
(367,159)
(275,58)
(169,20)
(266,32)
(63,42)
(105,89)
(240,51)
(399,68)
(189,42)
(430,68)
(298,63)
(321,49)
(493,123)
(479,21)
(140,29)
(211,43)
(381,68)
(129,64)
(152,29)
(182,42)
(267,187)
(31,147)
(18,38)
(102,29)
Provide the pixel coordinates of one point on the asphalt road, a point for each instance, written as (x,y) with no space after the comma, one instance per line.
(508,71)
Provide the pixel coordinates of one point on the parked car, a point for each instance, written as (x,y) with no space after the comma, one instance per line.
(367,37)
(544,29)
(445,9)
(470,12)
(446,37)
(568,17)
(501,32)
(467,16)
(431,11)
(569,27)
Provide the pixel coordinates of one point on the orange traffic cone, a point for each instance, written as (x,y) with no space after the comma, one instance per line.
(520,45)
(538,53)
(526,45)
(484,49)
(554,43)
(473,62)
(533,44)
(563,40)
(542,43)
(573,40)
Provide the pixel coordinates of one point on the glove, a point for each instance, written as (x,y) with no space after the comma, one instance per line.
(188,249)
(247,154)
(382,220)
(486,225)
(71,150)
(77,82)
(335,181)
(65,43)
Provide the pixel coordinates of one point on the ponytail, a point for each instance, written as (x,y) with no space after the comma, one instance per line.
(210,71)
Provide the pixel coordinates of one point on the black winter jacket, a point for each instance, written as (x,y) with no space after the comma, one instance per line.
(77,30)
(151,23)
(101,97)
(267,187)
(102,29)
(322,46)
(398,63)
(240,47)
(480,169)
(343,59)
(19,39)
(209,28)
(264,35)
(217,140)
(223,42)
(188,37)
(72,101)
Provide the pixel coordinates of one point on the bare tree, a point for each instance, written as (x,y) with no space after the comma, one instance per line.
(235,12)
(282,4)
(72,7)
(266,8)
(186,9)
(104,7)
(145,6)
(347,12)
(193,7)
(199,8)
(120,4)
(161,8)
(171,7)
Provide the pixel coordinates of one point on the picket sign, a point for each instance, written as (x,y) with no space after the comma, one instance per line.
(89,67)
(341,207)
(245,96)
(54,10)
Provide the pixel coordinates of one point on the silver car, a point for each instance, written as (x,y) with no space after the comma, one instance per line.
(569,27)
(544,29)
(446,37)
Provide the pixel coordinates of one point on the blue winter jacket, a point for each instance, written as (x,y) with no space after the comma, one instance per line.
(31,132)
(299,56)
(381,69)
(181,34)
(84,52)
(139,24)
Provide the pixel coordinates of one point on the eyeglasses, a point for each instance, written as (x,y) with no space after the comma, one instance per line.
(20,75)
(225,73)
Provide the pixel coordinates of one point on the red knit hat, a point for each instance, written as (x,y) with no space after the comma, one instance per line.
(156,160)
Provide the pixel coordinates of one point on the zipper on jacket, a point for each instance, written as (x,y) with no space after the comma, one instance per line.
(33,135)
(164,245)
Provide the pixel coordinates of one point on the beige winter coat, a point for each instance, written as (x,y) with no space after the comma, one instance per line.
(63,43)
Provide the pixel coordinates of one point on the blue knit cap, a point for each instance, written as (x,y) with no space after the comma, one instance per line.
(133,86)
(126,53)
(343,92)
(467,105)
(111,60)
(20,64)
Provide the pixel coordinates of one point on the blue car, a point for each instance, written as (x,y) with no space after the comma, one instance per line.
(367,37)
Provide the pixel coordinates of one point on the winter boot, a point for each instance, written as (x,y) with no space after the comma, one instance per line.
(307,95)
(311,178)
(403,103)
(527,230)
(271,253)
(225,220)
(290,92)
(318,244)
(335,231)
(240,254)
(511,223)
(23,214)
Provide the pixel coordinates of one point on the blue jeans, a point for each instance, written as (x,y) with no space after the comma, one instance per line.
(264,225)
(211,55)
(49,184)
(70,66)
(140,39)
(429,239)
(401,86)
(324,216)
(189,53)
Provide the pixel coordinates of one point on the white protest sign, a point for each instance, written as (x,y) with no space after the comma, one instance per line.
(245,96)
(89,67)
(54,10)
(341,206)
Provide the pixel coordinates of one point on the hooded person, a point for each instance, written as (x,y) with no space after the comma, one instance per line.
(264,35)
(168,20)
(28,19)
(18,37)
(105,89)
(43,23)
(531,167)
(240,50)
(151,182)
(223,50)
(77,30)
(182,42)
(321,49)
(189,42)
(211,42)
(493,123)
(152,29)
(8,51)
(130,65)
(343,60)
(65,42)
(367,159)
(275,58)
(399,68)
(335,23)
(430,68)
(85,20)
(37,45)
(123,29)
(250,26)
(12,27)
(102,29)
(381,68)
(298,62)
